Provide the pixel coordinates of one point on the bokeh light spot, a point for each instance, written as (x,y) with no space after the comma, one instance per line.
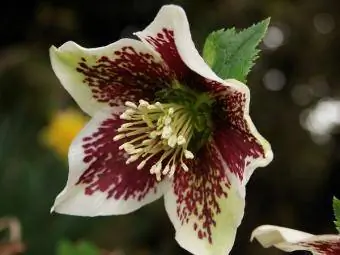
(321,119)
(274,80)
(302,94)
(275,37)
(324,23)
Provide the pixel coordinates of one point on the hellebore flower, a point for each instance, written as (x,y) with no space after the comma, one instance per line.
(290,240)
(162,124)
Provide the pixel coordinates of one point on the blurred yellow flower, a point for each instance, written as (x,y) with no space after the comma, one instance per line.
(62,129)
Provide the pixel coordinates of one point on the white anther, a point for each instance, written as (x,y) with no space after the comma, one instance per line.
(125,116)
(151,107)
(126,125)
(171,111)
(166,132)
(167,121)
(159,105)
(156,168)
(158,176)
(143,103)
(128,147)
(153,134)
(131,104)
(141,165)
(147,141)
(185,167)
(130,111)
(172,170)
(132,159)
(172,141)
(181,140)
(166,170)
(188,154)
(118,137)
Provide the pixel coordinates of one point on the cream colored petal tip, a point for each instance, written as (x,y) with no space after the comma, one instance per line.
(268,235)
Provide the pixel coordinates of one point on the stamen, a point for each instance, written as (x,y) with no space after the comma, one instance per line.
(172,141)
(133,158)
(166,170)
(166,132)
(128,147)
(118,137)
(130,104)
(156,168)
(156,131)
(143,103)
(172,170)
(167,121)
(185,167)
(181,140)
(141,165)
(188,154)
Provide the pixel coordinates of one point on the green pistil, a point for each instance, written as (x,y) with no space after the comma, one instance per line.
(198,108)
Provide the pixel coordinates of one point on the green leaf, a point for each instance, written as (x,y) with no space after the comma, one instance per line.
(86,248)
(83,248)
(336,208)
(231,54)
(65,248)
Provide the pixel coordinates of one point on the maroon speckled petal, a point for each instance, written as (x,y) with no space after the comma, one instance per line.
(169,34)
(126,70)
(289,240)
(160,34)
(100,182)
(238,148)
(164,43)
(323,245)
(206,204)
(241,146)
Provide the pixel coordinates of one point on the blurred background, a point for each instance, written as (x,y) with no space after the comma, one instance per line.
(295,89)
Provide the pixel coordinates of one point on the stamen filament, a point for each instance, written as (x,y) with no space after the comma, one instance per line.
(159,131)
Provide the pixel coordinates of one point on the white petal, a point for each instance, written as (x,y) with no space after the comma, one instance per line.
(103,184)
(235,100)
(173,18)
(293,240)
(107,76)
(206,208)
(269,235)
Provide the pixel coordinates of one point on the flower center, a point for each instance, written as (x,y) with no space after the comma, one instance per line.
(169,132)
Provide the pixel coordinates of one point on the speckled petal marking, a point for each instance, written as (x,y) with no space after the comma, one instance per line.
(169,34)
(238,148)
(206,204)
(164,43)
(126,70)
(323,245)
(100,182)
(240,144)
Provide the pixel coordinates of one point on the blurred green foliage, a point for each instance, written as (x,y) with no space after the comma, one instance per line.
(83,248)
(336,208)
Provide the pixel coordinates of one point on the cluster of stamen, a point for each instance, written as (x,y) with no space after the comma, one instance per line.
(156,131)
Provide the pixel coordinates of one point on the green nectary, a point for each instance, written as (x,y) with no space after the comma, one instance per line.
(198,106)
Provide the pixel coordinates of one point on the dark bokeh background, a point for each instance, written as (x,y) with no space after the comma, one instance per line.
(295,86)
